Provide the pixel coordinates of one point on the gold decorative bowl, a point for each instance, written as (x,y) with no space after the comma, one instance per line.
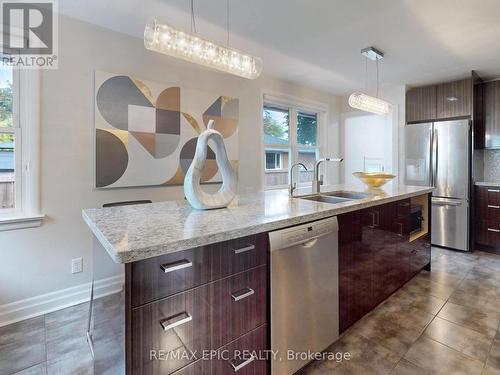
(374,179)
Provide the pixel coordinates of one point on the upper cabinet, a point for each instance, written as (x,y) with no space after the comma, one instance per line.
(439,102)
(491,100)
(421,104)
(454,99)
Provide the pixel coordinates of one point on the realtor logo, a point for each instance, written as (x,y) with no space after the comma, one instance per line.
(29,31)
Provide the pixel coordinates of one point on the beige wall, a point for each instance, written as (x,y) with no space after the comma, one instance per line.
(37,261)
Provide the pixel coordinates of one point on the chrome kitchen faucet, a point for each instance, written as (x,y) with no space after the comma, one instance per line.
(318,179)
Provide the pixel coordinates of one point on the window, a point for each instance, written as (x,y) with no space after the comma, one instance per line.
(290,135)
(273,160)
(9,141)
(19,148)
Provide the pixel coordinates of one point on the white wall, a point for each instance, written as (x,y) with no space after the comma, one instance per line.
(37,261)
(393,138)
(366,136)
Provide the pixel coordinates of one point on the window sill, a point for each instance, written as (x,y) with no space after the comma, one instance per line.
(21,222)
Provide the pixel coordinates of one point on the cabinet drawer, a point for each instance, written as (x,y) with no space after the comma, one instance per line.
(488,194)
(490,212)
(246,356)
(488,233)
(234,358)
(165,275)
(203,318)
(488,203)
(239,305)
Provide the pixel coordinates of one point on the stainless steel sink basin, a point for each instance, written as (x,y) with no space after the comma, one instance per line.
(335,196)
(325,199)
(347,194)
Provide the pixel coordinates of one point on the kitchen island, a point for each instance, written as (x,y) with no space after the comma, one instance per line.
(197,282)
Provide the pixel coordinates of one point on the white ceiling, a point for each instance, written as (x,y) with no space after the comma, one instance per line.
(318,42)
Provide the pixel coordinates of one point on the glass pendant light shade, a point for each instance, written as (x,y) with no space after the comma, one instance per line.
(188,46)
(369,103)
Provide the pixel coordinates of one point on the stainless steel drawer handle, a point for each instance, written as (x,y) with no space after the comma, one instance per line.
(244,249)
(175,321)
(493,230)
(493,191)
(492,206)
(238,366)
(242,294)
(175,266)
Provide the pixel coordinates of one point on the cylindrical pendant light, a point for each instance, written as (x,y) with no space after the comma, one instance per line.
(189,46)
(365,102)
(369,103)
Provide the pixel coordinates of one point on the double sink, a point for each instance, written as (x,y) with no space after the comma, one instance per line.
(335,197)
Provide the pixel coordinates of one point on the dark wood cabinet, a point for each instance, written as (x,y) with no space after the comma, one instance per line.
(491,99)
(246,356)
(478,107)
(488,203)
(488,233)
(488,216)
(243,356)
(454,99)
(421,104)
(168,274)
(384,237)
(182,305)
(440,102)
(377,255)
(355,270)
(203,318)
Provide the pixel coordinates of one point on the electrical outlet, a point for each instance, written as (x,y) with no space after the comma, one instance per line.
(76,265)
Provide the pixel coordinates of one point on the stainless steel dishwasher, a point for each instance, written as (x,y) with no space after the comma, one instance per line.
(304,292)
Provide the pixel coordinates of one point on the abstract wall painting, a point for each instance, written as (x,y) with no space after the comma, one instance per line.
(146,132)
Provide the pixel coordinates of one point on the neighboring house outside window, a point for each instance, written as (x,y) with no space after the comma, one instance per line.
(275,160)
(290,135)
(6,172)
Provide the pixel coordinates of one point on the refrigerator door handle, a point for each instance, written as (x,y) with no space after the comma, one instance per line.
(435,150)
(431,148)
(446,202)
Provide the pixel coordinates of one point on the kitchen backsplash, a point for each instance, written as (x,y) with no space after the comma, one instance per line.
(491,165)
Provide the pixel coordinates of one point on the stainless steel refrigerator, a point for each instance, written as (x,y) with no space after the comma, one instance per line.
(437,154)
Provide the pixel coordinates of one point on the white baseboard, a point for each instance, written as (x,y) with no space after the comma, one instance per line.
(46,303)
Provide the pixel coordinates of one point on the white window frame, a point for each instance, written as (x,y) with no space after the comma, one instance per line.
(294,105)
(276,153)
(26,130)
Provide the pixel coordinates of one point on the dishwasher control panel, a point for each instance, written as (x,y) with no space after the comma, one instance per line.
(302,233)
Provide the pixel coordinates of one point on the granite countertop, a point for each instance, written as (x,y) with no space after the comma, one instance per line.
(131,233)
(486,183)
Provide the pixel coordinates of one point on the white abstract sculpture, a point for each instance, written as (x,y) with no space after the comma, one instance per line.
(192,187)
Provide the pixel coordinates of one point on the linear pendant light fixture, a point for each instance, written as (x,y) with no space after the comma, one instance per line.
(189,46)
(366,102)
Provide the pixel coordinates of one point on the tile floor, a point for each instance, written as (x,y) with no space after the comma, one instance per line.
(53,344)
(441,322)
